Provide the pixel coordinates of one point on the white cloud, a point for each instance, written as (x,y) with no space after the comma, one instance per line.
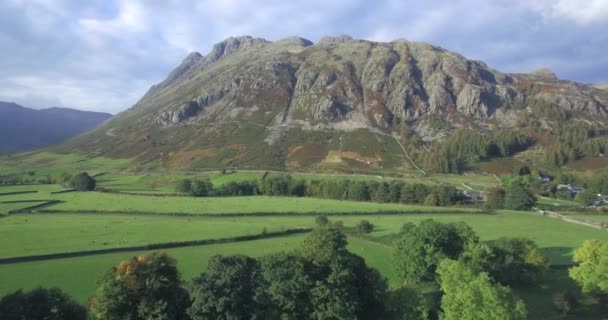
(104,54)
(579,11)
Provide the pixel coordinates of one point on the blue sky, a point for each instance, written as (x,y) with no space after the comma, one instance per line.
(104,54)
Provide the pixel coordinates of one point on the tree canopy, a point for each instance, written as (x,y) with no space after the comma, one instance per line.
(468,295)
(143,287)
(591,271)
(40,303)
(419,250)
(83,182)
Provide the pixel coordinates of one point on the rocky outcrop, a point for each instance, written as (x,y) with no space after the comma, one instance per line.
(343,84)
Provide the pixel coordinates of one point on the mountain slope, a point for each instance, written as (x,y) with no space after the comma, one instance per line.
(25,129)
(340,102)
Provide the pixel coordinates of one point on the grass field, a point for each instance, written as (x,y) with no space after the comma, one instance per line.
(78,276)
(7,207)
(111,202)
(46,233)
(88,223)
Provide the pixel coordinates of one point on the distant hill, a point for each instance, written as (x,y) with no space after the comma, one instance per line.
(23,128)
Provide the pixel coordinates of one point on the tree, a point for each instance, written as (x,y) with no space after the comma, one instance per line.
(184,186)
(230,289)
(470,296)
(510,261)
(201,188)
(47,304)
(591,267)
(358,191)
(289,285)
(495,198)
(417,253)
(406,303)
(143,287)
(83,182)
(518,197)
(344,287)
(365,227)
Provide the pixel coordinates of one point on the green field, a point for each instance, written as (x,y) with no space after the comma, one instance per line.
(8,207)
(78,276)
(51,233)
(112,202)
(96,220)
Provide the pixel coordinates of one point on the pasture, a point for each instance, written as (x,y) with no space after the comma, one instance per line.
(127,203)
(96,220)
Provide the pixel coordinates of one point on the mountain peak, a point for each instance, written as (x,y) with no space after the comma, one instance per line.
(333,40)
(295,41)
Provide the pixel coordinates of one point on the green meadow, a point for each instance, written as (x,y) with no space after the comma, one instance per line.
(97,220)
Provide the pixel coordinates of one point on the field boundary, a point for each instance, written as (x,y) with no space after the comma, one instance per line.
(259,214)
(17,192)
(41,204)
(153,246)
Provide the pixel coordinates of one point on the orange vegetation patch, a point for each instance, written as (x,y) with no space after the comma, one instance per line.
(590,163)
(184,158)
(337,156)
(304,155)
(238,147)
(497,166)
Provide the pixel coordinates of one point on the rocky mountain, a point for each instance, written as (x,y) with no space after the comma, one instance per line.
(339,102)
(26,129)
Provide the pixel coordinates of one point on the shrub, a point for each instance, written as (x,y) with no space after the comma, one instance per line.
(365,227)
(321,220)
(83,182)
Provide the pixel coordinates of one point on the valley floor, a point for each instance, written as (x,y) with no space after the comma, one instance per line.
(76,221)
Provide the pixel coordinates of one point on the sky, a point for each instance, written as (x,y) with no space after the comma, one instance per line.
(103,55)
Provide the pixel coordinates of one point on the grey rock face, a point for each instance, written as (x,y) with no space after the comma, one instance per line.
(341,83)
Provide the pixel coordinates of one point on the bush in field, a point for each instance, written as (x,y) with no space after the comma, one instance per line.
(47,304)
(83,182)
(365,227)
(184,186)
(143,287)
(321,220)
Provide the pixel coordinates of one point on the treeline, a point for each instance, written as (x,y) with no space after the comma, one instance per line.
(80,181)
(339,189)
(459,150)
(571,140)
